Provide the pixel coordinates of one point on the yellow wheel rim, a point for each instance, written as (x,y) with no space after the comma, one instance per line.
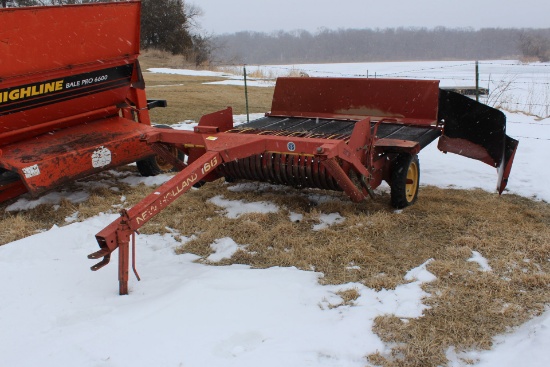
(412,182)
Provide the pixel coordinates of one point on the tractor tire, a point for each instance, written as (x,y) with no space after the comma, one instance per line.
(155,165)
(405,178)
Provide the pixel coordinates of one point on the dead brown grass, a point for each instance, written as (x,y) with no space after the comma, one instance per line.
(189,98)
(17,226)
(152,58)
(101,199)
(374,246)
(348,297)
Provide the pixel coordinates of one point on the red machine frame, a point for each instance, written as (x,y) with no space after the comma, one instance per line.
(72,98)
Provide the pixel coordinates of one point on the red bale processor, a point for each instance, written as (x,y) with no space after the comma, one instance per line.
(329,133)
(72,99)
(72,95)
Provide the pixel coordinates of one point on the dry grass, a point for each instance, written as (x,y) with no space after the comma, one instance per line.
(348,297)
(374,246)
(17,226)
(189,98)
(153,58)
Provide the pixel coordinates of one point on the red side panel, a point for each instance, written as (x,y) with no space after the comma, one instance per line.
(38,39)
(407,101)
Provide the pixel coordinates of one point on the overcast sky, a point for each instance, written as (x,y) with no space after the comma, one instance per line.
(223,16)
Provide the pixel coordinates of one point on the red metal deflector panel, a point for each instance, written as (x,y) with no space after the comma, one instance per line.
(407,101)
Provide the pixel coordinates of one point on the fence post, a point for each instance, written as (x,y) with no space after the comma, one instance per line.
(246,94)
(477,81)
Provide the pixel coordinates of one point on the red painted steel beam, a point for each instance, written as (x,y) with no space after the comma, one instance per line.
(220,148)
(118,233)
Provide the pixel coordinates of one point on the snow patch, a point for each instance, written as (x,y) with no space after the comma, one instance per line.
(420,273)
(480,260)
(249,83)
(223,248)
(236,208)
(526,346)
(72,218)
(328,220)
(295,217)
(52,198)
(190,72)
(147,181)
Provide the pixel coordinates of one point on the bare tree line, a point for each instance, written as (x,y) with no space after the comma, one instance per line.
(394,44)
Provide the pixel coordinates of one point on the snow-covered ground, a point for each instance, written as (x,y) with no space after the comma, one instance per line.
(55,312)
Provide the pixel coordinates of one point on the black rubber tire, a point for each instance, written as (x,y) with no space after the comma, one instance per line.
(7,177)
(405,179)
(154,165)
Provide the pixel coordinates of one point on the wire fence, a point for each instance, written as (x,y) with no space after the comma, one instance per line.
(529,123)
(417,73)
(546,65)
(529,137)
(433,68)
(511,86)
